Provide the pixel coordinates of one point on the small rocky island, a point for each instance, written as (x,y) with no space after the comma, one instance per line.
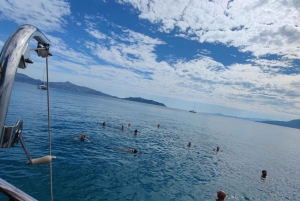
(142,100)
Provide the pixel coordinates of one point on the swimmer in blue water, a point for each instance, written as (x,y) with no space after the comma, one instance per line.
(135,151)
(104,123)
(221,195)
(82,138)
(217,150)
(135,132)
(264,174)
(190,145)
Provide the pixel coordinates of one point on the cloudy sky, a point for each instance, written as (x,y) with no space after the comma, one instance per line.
(234,57)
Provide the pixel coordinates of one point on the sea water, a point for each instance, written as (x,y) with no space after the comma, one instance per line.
(164,169)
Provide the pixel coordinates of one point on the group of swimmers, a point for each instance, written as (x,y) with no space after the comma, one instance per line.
(220,194)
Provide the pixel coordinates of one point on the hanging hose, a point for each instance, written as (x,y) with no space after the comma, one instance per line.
(49,132)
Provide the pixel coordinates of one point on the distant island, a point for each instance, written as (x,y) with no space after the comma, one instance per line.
(138,99)
(236,117)
(292,124)
(73,87)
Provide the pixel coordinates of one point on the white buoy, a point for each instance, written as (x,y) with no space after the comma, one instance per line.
(42,160)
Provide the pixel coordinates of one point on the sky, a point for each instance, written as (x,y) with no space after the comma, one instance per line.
(234,57)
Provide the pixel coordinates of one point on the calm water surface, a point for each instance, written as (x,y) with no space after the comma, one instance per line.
(165,169)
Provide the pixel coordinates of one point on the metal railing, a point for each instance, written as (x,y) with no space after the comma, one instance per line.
(16,54)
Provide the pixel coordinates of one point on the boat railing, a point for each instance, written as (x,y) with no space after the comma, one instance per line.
(16,54)
(13,193)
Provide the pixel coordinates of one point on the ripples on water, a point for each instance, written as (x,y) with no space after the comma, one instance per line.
(165,169)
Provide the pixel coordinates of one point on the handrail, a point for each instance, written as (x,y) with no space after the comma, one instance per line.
(16,53)
(14,193)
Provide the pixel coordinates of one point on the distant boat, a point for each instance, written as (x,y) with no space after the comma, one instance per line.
(193,111)
(42,86)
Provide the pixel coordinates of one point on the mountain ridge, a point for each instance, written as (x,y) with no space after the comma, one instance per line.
(295,123)
(81,89)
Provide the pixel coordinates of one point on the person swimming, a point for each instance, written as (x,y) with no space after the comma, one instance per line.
(82,138)
(104,123)
(135,132)
(189,144)
(122,128)
(158,125)
(129,125)
(135,151)
(217,149)
(221,195)
(264,174)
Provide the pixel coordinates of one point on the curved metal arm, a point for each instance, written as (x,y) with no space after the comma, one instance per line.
(15,53)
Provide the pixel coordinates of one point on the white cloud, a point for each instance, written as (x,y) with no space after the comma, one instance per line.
(262,27)
(272,63)
(95,33)
(60,49)
(46,15)
(129,49)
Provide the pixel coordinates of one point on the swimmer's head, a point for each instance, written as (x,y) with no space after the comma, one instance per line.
(134,151)
(221,195)
(218,148)
(189,144)
(264,173)
(82,136)
(135,132)
(104,123)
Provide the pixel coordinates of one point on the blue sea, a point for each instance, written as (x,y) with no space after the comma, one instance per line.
(165,168)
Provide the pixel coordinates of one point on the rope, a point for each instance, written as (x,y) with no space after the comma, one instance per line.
(49,132)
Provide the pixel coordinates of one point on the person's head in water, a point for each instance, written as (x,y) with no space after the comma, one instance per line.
(221,195)
(135,151)
(122,128)
(129,125)
(104,123)
(82,137)
(135,132)
(158,125)
(264,174)
(189,144)
(218,149)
